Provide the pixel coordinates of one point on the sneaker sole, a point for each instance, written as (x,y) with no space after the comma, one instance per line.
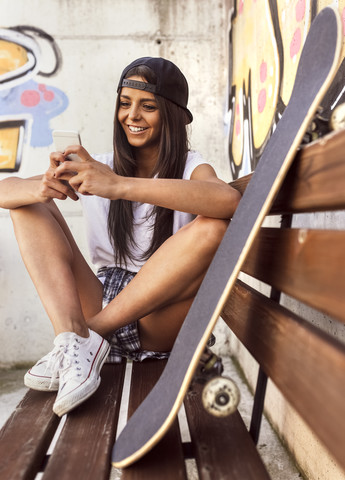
(66,405)
(42,384)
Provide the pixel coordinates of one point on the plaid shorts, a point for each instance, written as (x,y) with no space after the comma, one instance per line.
(125,341)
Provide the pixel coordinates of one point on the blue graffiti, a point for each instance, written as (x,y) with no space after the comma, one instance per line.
(39,101)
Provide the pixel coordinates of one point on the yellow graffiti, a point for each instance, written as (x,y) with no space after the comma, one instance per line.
(255,54)
(340,4)
(9,143)
(294,22)
(12,57)
(266,51)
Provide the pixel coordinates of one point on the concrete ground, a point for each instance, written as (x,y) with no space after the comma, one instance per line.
(279,463)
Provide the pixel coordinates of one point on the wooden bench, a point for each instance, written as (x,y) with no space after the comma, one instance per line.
(306,364)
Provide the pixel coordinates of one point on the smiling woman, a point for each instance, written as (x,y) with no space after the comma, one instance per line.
(139,117)
(155,214)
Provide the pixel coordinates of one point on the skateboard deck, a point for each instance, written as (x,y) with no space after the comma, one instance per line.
(317,67)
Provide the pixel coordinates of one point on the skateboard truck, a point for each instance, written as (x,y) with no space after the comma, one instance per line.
(210,365)
(321,124)
(318,127)
(220,395)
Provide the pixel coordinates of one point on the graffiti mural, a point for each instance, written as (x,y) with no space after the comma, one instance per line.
(266,40)
(26,106)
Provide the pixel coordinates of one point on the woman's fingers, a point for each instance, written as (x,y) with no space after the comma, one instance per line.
(51,187)
(80,151)
(87,176)
(56,158)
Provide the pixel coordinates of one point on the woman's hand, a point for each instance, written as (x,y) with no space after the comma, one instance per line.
(17,192)
(51,187)
(88,176)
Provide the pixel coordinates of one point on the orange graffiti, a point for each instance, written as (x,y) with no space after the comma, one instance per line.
(11,138)
(12,56)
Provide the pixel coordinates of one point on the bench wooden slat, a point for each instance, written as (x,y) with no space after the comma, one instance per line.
(222,446)
(27,434)
(77,454)
(166,459)
(305,264)
(306,364)
(315,181)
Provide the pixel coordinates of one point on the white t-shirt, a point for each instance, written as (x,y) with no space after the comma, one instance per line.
(96,210)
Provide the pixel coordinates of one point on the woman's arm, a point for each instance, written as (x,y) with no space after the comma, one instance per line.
(204,194)
(16,192)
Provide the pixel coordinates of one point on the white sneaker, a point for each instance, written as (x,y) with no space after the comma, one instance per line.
(79,366)
(42,376)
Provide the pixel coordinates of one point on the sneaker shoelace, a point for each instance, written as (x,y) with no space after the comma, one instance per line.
(67,363)
(58,360)
(53,363)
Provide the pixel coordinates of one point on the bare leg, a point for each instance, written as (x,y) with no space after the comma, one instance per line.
(161,293)
(69,290)
(159,296)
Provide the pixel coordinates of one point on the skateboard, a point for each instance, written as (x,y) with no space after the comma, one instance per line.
(318,64)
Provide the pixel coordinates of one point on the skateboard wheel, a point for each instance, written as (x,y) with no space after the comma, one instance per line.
(220,396)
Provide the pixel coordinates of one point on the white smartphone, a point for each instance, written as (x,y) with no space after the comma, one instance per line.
(65,138)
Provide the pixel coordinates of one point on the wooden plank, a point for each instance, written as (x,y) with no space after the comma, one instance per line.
(308,265)
(83,449)
(307,365)
(315,181)
(223,447)
(26,436)
(166,459)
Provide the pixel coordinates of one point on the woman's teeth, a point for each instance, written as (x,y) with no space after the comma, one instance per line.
(136,129)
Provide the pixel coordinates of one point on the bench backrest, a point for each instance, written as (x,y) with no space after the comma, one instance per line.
(305,363)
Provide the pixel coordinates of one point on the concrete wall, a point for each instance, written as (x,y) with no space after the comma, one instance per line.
(96,41)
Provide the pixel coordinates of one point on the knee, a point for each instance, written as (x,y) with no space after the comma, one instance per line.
(28,210)
(20,213)
(208,231)
(31,217)
(17,213)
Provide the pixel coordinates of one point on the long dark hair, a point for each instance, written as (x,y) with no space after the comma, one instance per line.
(172,155)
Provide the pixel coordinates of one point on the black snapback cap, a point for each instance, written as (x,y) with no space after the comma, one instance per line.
(171,83)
